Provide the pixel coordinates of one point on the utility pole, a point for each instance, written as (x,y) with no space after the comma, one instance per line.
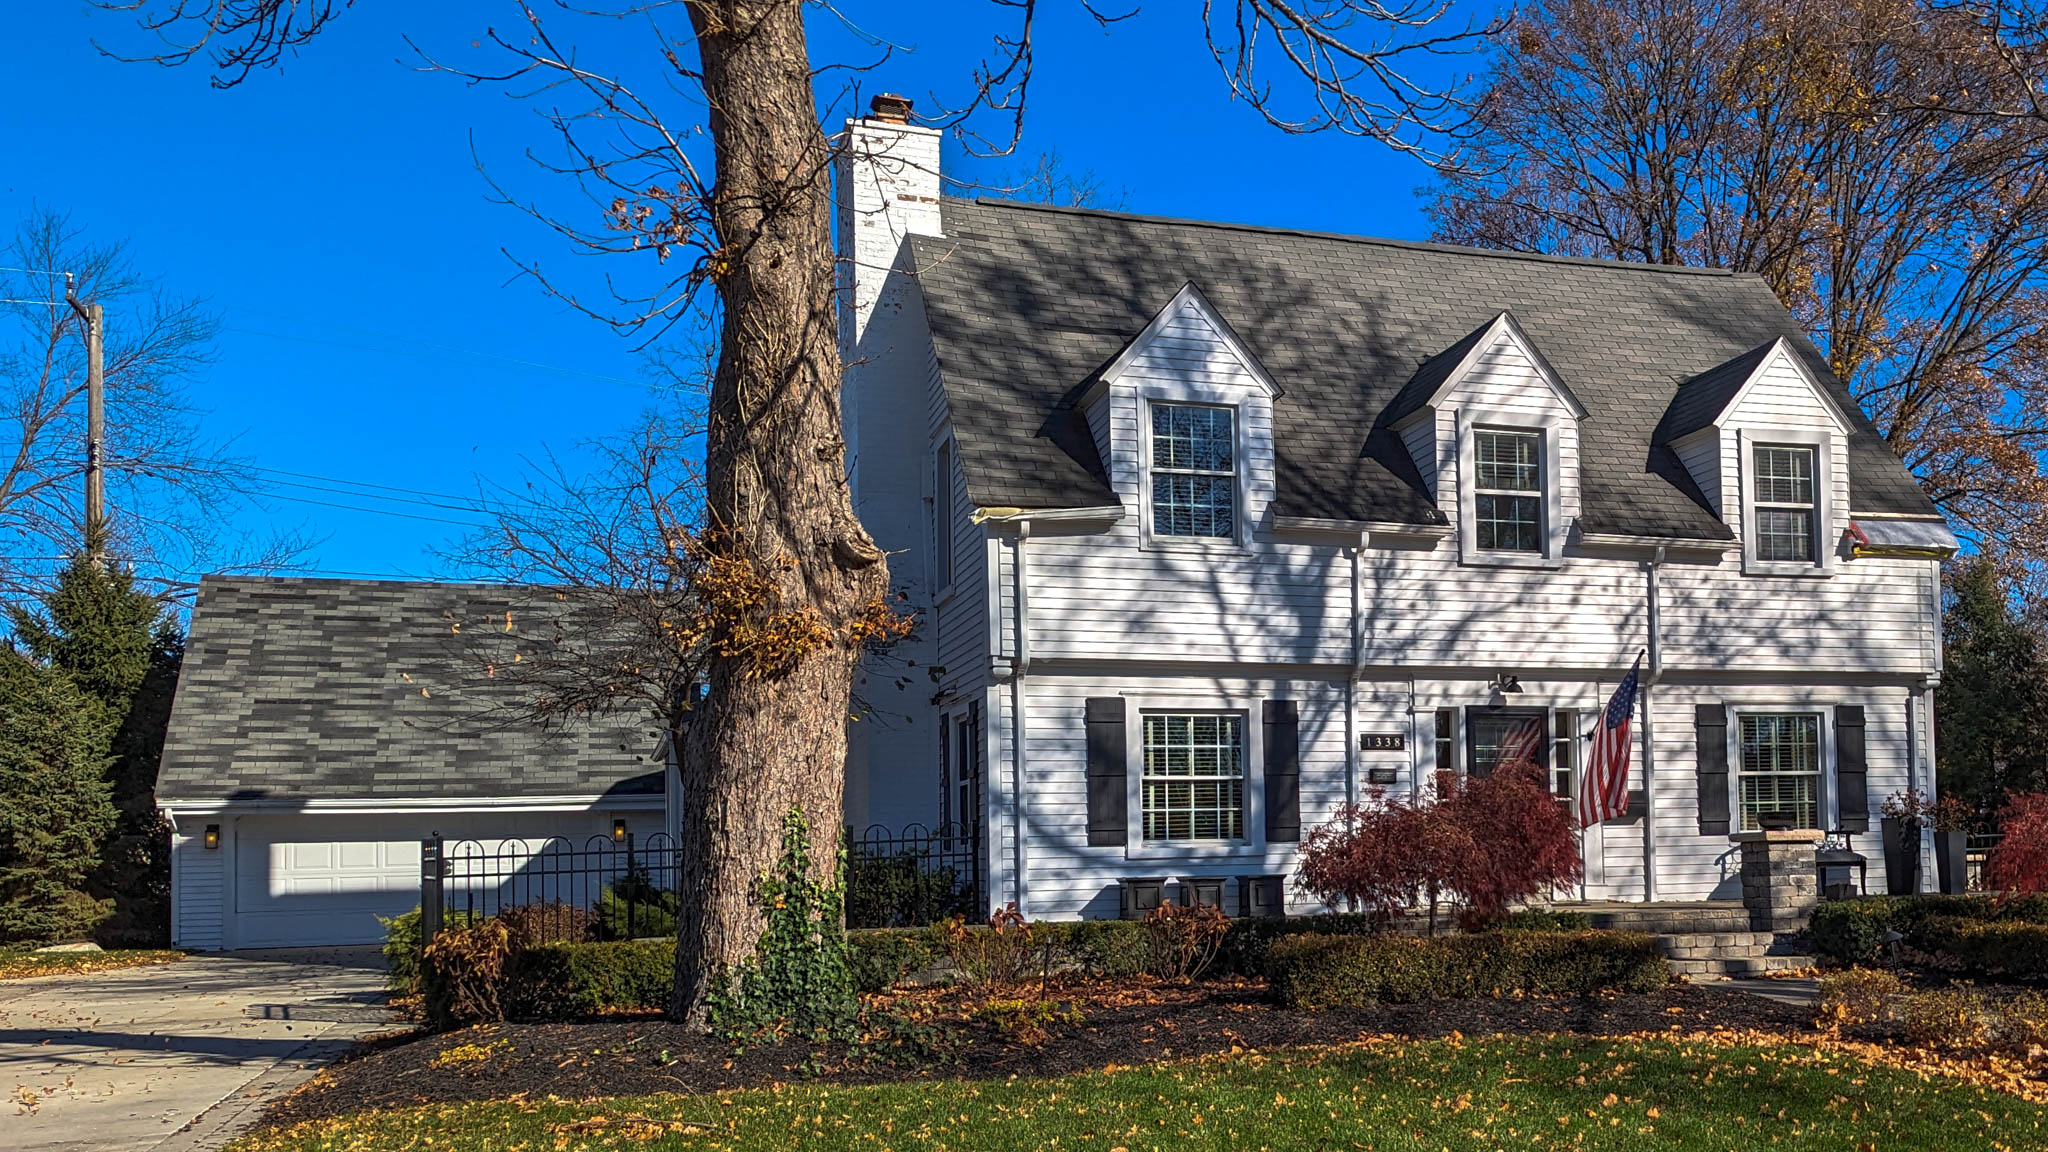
(95,418)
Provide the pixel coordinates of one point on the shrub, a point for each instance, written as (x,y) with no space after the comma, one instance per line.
(1342,971)
(1493,842)
(1182,940)
(1949,1020)
(634,907)
(1546,920)
(880,958)
(1025,1021)
(1245,945)
(1858,997)
(462,975)
(2020,862)
(56,808)
(899,892)
(1851,931)
(548,922)
(402,952)
(1005,954)
(2022,1023)
(560,980)
(1113,948)
(1994,948)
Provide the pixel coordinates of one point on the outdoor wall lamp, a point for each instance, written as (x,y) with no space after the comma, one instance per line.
(1506,684)
(213,835)
(618,831)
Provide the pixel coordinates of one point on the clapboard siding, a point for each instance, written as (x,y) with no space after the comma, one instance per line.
(1701,457)
(1780,398)
(196,884)
(1065,877)
(1503,388)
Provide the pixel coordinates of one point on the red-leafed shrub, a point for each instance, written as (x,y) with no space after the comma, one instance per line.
(1385,855)
(2020,862)
(1522,838)
(1490,843)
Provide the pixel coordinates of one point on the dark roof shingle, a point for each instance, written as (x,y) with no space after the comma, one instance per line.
(360,689)
(1028,303)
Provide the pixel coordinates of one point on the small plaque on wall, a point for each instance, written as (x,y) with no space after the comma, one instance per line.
(1382,775)
(1383,742)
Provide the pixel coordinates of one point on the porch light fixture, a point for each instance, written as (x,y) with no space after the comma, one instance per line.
(618,831)
(1506,684)
(213,836)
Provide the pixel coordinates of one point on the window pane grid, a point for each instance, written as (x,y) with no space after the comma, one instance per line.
(1193,784)
(1194,482)
(1779,769)
(1507,491)
(1786,502)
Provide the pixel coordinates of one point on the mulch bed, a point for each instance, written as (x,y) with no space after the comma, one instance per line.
(1118,1025)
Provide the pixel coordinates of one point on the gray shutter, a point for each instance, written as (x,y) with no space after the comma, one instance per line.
(1852,782)
(1283,771)
(1109,820)
(1710,727)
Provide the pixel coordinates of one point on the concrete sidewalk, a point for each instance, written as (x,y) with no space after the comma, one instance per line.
(174,1057)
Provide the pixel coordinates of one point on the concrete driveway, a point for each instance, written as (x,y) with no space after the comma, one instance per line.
(175,1056)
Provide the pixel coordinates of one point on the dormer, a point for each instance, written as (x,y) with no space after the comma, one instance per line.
(1494,432)
(1766,444)
(1183,419)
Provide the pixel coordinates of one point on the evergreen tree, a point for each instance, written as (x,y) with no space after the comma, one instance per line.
(55,804)
(1992,706)
(120,650)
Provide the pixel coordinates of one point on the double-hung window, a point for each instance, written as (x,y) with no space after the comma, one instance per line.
(1507,490)
(1193,786)
(1564,752)
(1194,471)
(1786,503)
(1779,769)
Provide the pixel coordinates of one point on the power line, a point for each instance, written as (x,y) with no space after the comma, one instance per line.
(447,349)
(376,496)
(372,511)
(32,271)
(356,483)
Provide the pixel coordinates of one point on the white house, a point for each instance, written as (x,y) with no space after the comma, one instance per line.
(324,728)
(1215,527)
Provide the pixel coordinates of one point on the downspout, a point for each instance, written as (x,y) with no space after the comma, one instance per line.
(1650,733)
(1020,597)
(1357,670)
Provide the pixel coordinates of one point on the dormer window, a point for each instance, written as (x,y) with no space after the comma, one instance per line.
(1194,471)
(1507,490)
(1786,502)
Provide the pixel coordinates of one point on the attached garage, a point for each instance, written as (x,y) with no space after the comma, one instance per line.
(323,728)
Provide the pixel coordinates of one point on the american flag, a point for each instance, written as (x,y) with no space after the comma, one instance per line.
(1603,794)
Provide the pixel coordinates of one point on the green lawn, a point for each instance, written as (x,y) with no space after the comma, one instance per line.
(1506,1093)
(19,963)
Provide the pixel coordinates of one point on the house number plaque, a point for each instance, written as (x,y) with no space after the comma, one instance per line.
(1383,742)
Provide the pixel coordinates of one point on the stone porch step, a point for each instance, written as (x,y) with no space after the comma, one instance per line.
(1731,953)
(1669,917)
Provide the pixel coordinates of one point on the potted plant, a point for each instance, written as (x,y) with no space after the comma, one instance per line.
(1952,820)
(1902,816)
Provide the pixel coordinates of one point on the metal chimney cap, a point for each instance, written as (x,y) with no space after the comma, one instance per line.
(890,108)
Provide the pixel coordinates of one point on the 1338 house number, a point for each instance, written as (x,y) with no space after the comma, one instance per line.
(1383,742)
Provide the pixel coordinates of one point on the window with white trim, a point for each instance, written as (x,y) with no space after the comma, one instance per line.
(1194,471)
(1507,490)
(1564,753)
(1786,502)
(1194,770)
(942,518)
(1778,768)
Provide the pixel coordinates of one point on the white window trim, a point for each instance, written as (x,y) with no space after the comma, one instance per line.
(1827,526)
(946,583)
(1254,842)
(1233,399)
(1465,461)
(1829,818)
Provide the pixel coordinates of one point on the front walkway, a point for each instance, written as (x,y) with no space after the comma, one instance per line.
(173,1057)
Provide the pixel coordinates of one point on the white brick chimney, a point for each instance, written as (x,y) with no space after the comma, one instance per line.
(888,188)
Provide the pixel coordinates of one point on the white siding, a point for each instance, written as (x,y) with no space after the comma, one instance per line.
(1779,397)
(1702,459)
(196,881)
(1423,442)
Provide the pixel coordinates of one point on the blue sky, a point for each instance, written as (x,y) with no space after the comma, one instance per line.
(375,331)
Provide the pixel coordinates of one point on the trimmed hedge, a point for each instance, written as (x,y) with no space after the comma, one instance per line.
(560,981)
(1315,972)
(882,958)
(1852,931)
(2013,948)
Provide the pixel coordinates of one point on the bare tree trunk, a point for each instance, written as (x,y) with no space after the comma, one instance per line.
(775,734)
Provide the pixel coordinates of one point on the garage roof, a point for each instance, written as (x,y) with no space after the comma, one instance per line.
(318,689)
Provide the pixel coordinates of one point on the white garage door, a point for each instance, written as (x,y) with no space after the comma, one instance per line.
(323,880)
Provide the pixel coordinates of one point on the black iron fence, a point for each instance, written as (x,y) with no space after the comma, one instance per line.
(1976,852)
(625,888)
(550,889)
(913,877)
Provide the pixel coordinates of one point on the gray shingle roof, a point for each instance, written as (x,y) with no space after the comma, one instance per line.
(1028,303)
(362,689)
(1702,399)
